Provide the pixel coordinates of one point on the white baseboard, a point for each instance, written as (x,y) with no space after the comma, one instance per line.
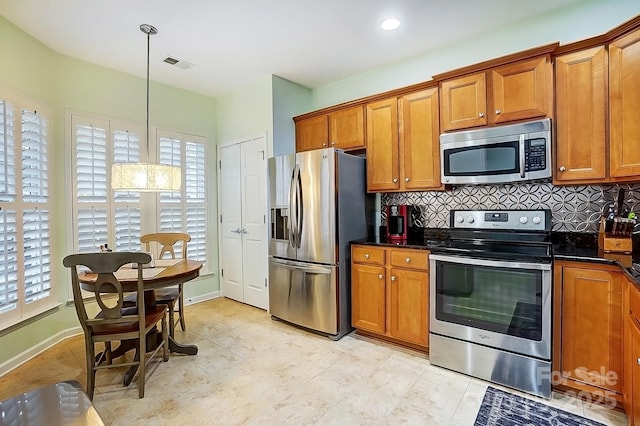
(202,298)
(36,350)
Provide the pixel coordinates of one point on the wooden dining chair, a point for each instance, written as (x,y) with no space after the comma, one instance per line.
(162,244)
(115,322)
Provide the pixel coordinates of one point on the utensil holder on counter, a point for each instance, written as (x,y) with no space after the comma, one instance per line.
(610,244)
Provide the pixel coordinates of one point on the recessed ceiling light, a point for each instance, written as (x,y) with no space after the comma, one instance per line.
(390,24)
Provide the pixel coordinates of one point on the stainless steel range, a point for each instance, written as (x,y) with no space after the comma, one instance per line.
(490,298)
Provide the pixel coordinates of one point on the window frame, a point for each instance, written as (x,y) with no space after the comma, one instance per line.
(24,205)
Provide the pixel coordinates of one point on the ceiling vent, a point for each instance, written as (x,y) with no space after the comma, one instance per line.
(178,62)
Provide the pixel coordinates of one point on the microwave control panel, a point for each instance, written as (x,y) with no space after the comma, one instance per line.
(535,155)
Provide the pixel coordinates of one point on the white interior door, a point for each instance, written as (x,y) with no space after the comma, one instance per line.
(243,230)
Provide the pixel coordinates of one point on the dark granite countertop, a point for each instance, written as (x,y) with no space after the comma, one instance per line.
(575,246)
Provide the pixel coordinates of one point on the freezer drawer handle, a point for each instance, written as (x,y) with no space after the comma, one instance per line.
(308,268)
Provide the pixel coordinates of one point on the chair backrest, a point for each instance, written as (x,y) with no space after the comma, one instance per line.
(165,242)
(106,286)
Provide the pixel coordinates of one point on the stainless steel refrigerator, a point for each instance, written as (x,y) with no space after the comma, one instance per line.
(318,205)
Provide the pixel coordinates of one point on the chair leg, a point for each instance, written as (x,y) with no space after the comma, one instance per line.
(91,372)
(141,355)
(165,340)
(171,322)
(181,305)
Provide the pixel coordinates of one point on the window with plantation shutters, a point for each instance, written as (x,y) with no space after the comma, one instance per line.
(185,211)
(26,285)
(102,216)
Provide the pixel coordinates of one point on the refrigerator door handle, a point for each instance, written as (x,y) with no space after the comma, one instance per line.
(299,207)
(314,269)
(292,209)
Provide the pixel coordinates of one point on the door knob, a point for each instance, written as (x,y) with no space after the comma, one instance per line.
(236,231)
(243,231)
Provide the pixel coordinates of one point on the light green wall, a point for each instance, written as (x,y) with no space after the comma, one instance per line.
(246,112)
(69,84)
(588,18)
(288,100)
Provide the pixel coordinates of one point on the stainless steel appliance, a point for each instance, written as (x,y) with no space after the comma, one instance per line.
(511,153)
(490,303)
(318,205)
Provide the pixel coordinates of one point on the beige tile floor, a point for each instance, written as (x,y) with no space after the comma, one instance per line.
(255,371)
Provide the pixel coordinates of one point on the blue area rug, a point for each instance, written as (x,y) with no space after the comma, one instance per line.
(505,409)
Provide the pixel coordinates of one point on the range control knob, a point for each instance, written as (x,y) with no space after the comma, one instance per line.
(470,219)
(536,220)
(459,219)
(524,220)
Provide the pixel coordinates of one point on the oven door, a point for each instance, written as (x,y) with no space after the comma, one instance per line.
(495,303)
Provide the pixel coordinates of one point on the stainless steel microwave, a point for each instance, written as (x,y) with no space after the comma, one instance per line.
(511,153)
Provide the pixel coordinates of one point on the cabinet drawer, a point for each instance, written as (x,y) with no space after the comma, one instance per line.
(408,258)
(368,254)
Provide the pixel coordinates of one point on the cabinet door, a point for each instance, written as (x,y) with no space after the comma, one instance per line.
(464,102)
(346,128)
(420,140)
(408,305)
(635,374)
(368,297)
(382,145)
(521,90)
(624,104)
(580,99)
(591,341)
(312,133)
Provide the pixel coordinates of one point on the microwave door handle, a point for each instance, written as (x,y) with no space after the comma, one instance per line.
(522,168)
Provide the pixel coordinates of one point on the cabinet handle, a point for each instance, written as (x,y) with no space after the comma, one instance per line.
(380,276)
(498,111)
(481,114)
(395,180)
(408,260)
(393,277)
(366,255)
(562,168)
(324,144)
(407,179)
(333,143)
(638,361)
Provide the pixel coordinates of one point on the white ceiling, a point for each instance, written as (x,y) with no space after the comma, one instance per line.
(236,42)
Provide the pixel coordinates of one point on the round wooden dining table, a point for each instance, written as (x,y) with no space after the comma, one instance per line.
(177,273)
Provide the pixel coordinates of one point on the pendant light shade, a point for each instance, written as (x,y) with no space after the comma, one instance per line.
(146,177)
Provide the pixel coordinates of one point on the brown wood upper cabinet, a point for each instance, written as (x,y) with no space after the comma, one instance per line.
(343,128)
(514,91)
(584,97)
(403,148)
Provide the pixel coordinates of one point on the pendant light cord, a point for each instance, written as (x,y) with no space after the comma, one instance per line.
(148,30)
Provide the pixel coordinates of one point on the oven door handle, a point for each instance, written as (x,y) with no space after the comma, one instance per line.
(485,262)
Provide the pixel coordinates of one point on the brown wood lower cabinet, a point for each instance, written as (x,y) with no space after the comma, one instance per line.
(390,293)
(631,379)
(587,350)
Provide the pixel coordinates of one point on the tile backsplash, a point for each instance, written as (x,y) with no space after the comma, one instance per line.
(573,208)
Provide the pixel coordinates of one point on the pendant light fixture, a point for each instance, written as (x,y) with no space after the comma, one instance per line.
(146,177)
